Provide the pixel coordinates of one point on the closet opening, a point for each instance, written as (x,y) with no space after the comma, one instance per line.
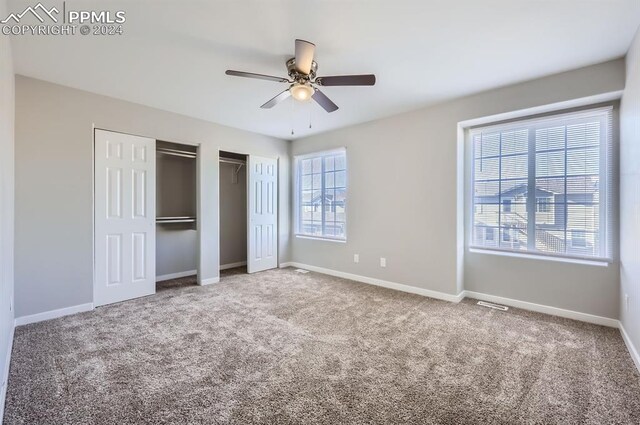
(176,219)
(233,213)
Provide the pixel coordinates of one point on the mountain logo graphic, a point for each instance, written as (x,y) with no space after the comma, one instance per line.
(43,11)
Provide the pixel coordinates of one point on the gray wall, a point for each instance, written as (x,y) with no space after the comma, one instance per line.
(176,188)
(630,196)
(176,249)
(6,201)
(233,215)
(54,189)
(402,201)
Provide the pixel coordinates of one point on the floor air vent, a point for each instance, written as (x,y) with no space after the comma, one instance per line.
(302,271)
(494,306)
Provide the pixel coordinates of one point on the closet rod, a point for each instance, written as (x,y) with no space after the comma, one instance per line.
(232,161)
(175,152)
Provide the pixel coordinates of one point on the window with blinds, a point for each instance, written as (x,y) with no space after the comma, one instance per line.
(543,185)
(321,194)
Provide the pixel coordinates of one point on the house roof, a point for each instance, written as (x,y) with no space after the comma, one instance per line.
(547,187)
(522,190)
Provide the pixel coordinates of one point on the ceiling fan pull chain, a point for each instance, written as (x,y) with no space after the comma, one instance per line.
(293,106)
(310,113)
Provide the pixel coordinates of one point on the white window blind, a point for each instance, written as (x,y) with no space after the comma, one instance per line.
(321,194)
(544,185)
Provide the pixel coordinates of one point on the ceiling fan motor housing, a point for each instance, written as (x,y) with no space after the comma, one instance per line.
(297,76)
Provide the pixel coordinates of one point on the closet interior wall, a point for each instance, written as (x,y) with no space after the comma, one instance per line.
(176,222)
(233,210)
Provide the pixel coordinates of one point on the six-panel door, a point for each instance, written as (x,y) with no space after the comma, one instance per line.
(124,217)
(263,214)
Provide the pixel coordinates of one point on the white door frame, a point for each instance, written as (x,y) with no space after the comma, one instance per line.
(247,182)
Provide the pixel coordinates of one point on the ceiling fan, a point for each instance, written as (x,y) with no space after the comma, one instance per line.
(303,83)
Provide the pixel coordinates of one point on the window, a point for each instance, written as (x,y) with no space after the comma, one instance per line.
(542,205)
(544,185)
(321,194)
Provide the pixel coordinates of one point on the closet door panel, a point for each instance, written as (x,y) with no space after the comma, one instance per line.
(262,223)
(124,217)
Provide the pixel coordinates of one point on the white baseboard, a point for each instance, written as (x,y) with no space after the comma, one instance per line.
(5,373)
(632,348)
(53,314)
(554,311)
(378,282)
(232,265)
(539,308)
(176,275)
(209,281)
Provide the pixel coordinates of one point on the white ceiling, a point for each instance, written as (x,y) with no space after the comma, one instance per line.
(174,53)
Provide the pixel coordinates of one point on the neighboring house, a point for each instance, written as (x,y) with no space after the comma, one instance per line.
(563,223)
(334,213)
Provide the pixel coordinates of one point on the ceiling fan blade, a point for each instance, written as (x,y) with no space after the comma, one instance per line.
(257,76)
(304,56)
(347,80)
(326,103)
(277,99)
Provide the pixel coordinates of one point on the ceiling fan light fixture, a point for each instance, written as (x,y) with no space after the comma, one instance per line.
(301,92)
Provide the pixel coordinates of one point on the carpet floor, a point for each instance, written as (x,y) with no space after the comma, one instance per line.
(280,347)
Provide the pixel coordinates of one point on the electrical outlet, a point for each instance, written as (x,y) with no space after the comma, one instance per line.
(356,258)
(383,262)
(626,302)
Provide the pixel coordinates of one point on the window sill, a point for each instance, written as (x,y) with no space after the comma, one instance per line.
(320,238)
(583,261)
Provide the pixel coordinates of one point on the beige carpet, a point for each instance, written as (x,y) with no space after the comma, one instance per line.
(281,347)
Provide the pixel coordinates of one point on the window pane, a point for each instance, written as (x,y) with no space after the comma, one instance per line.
(306,166)
(583,161)
(306,183)
(487,215)
(581,135)
(317,165)
(486,192)
(550,163)
(329,163)
(515,142)
(513,167)
(316,181)
(487,169)
(550,138)
(329,179)
(487,145)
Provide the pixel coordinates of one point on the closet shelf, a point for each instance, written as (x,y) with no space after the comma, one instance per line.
(183,219)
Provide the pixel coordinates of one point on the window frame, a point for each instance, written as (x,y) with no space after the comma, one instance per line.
(297,175)
(606,182)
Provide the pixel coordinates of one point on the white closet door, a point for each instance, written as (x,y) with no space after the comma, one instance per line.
(125,213)
(263,214)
